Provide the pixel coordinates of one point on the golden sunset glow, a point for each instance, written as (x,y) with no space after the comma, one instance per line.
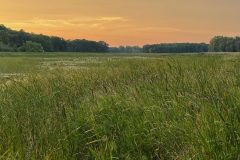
(125,22)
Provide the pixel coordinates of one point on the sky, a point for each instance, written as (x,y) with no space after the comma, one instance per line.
(125,22)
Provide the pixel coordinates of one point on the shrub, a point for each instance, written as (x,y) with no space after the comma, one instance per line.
(5,48)
(30,46)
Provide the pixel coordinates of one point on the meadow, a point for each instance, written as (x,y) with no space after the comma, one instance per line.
(119,106)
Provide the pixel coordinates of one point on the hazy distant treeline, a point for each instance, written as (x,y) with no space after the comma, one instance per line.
(162,48)
(11,40)
(126,49)
(217,44)
(176,48)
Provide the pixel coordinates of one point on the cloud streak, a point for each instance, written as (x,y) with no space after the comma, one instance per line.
(83,21)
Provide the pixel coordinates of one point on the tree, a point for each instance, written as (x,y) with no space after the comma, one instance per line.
(44,40)
(82,45)
(58,44)
(30,46)
(224,44)
(102,46)
(2,27)
(237,44)
(4,37)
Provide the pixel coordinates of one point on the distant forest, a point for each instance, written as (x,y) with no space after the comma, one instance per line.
(176,48)
(217,44)
(21,41)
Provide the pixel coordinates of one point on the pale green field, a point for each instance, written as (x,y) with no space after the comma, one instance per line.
(105,106)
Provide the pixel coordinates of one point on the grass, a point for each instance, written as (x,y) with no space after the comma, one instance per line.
(157,107)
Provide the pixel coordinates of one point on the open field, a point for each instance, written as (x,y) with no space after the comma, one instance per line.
(105,106)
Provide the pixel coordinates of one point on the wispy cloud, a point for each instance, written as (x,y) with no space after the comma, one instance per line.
(110,19)
(83,21)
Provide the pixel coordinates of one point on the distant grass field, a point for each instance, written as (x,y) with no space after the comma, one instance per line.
(105,106)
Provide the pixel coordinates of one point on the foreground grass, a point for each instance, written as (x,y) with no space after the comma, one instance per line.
(185,107)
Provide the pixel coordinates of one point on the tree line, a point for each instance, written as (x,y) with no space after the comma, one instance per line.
(11,40)
(176,48)
(217,44)
(126,49)
(162,48)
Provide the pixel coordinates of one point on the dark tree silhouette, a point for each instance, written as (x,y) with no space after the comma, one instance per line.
(11,40)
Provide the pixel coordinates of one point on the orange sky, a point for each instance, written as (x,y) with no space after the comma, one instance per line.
(125,22)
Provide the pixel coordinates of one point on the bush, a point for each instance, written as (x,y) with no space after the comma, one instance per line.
(30,46)
(5,48)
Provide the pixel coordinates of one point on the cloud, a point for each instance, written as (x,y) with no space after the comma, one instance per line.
(110,19)
(83,21)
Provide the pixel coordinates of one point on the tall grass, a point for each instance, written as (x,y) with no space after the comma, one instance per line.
(17,64)
(171,108)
